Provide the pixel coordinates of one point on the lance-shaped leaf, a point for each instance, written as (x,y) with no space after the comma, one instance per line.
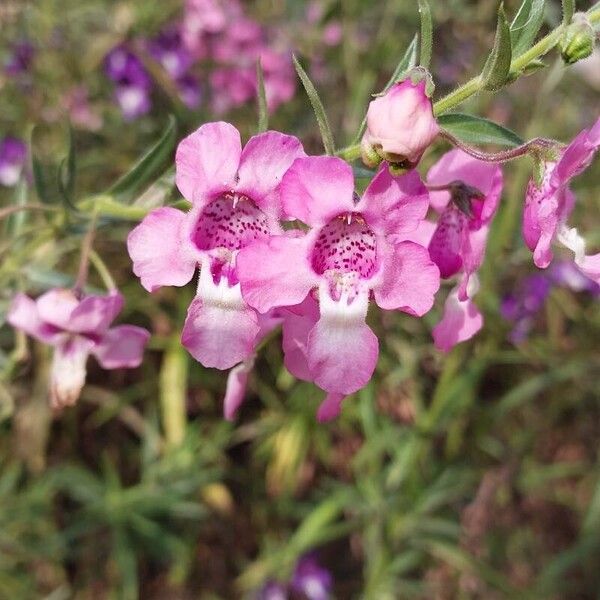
(526,25)
(66,174)
(426,33)
(496,69)
(406,63)
(263,113)
(477,130)
(147,168)
(318,108)
(568,9)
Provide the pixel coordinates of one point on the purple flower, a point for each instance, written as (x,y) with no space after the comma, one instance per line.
(13,153)
(311,579)
(189,91)
(76,328)
(20,58)
(272,590)
(167,49)
(133,100)
(566,274)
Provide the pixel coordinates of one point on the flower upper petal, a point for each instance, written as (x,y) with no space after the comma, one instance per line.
(317,188)
(23,314)
(461,321)
(207,161)
(95,313)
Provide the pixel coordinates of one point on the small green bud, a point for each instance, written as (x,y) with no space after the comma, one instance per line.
(369,154)
(578,40)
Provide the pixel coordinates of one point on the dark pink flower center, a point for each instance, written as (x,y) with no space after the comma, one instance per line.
(345,245)
(232,221)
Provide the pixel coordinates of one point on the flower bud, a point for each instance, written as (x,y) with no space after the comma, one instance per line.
(67,376)
(400,123)
(578,40)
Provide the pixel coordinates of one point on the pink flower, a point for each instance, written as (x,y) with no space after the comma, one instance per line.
(235,203)
(457,244)
(400,124)
(347,255)
(548,207)
(77,328)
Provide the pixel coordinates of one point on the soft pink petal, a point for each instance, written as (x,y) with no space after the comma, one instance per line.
(220,329)
(122,347)
(395,204)
(317,188)
(265,160)
(68,371)
(577,156)
(56,307)
(421,235)
(410,279)
(95,313)
(207,161)
(237,380)
(457,165)
(298,322)
(590,266)
(276,273)
(460,322)
(330,408)
(160,251)
(23,315)
(342,349)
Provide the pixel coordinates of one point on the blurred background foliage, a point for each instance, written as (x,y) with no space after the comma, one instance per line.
(470,475)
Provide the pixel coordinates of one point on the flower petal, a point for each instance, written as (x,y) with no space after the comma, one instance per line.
(265,160)
(317,188)
(410,279)
(95,313)
(396,204)
(461,321)
(23,315)
(237,380)
(276,273)
(68,371)
(220,329)
(342,349)
(207,161)
(122,347)
(56,307)
(160,252)
(330,408)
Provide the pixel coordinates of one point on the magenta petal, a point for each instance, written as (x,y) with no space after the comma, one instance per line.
(265,159)
(410,280)
(160,252)
(330,408)
(237,380)
(122,347)
(207,161)
(23,315)
(298,322)
(56,306)
(421,235)
(461,321)
(95,313)
(590,266)
(342,349)
(220,334)
(276,273)
(396,204)
(317,188)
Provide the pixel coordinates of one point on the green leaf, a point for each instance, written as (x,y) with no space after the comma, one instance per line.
(66,174)
(496,69)
(263,113)
(568,9)
(44,172)
(526,25)
(318,108)
(407,62)
(426,34)
(477,130)
(147,168)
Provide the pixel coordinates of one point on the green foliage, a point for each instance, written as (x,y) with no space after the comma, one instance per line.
(526,25)
(497,67)
(477,130)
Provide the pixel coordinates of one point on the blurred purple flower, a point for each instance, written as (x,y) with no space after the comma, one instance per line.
(566,274)
(311,579)
(82,114)
(167,49)
(133,100)
(19,59)
(13,153)
(272,590)
(189,91)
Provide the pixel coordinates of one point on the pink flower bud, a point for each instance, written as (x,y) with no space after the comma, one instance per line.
(400,124)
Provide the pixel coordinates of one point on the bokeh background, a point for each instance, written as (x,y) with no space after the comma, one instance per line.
(469,475)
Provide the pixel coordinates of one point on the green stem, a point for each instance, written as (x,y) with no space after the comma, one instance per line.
(102,270)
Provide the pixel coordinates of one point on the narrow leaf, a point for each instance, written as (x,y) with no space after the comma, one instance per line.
(526,25)
(66,174)
(426,33)
(568,9)
(318,108)
(263,113)
(44,178)
(147,168)
(496,69)
(407,62)
(477,130)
